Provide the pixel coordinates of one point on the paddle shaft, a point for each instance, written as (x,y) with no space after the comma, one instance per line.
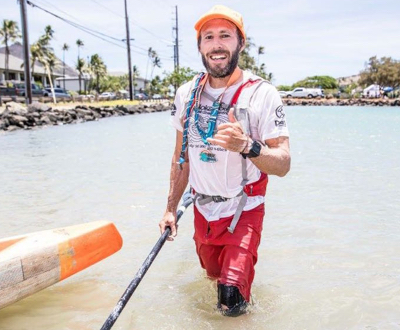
(142,270)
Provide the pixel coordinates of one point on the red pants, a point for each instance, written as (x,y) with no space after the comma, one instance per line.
(230,258)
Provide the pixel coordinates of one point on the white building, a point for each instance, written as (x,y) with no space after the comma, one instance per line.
(16,68)
(372,91)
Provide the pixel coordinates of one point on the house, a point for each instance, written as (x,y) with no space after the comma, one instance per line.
(16,68)
(139,83)
(372,91)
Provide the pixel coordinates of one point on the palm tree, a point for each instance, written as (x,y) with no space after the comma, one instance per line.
(8,32)
(156,63)
(135,74)
(98,68)
(64,48)
(41,49)
(80,44)
(261,51)
(80,67)
(150,55)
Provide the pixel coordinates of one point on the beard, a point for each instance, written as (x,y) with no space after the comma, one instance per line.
(227,70)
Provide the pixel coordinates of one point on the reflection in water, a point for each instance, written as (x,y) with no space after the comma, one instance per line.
(329,254)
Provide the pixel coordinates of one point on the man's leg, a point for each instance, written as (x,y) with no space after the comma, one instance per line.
(209,259)
(234,283)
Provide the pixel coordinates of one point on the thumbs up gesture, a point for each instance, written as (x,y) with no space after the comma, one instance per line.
(230,135)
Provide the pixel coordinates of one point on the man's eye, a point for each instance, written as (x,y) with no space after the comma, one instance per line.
(225,36)
(208,37)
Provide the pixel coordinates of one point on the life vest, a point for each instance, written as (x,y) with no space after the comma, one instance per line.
(240,102)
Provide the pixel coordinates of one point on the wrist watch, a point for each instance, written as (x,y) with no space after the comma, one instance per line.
(254,151)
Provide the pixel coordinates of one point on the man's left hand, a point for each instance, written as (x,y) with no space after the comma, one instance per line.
(230,135)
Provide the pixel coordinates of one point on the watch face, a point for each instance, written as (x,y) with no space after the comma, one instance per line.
(255,149)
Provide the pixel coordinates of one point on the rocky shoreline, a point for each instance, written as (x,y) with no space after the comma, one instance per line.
(16,116)
(341,102)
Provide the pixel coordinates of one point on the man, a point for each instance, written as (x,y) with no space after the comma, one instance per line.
(231,133)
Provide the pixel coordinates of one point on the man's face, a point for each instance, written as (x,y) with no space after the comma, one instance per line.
(219,47)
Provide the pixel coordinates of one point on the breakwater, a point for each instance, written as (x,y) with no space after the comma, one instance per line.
(341,102)
(16,116)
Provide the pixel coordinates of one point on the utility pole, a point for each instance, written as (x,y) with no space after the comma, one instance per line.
(128,45)
(25,42)
(176,38)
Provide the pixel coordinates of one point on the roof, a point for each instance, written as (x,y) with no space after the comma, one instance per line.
(17,58)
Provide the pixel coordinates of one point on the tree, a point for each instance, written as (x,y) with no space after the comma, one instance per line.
(42,52)
(179,77)
(80,44)
(384,72)
(135,74)
(150,55)
(80,67)
(248,62)
(65,48)
(260,52)
(324,82)
(8,32)
(98,68)
(156,63)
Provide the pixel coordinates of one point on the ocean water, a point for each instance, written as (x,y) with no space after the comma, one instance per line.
(329,257)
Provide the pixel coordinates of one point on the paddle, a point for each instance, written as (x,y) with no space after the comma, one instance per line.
(187,200)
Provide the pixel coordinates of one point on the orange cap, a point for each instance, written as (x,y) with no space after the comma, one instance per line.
(219,11)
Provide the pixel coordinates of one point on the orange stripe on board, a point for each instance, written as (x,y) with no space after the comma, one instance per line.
(5,244)
(83,251)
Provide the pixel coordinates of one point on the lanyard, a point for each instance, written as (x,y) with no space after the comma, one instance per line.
(194,103)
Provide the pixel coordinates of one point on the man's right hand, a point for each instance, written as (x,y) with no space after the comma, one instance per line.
(169,220)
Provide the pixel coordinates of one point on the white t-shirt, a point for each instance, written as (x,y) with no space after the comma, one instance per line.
(223,177)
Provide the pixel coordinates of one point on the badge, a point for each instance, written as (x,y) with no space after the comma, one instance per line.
(207,156)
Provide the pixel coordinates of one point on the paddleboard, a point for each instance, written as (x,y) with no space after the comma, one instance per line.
(30,263)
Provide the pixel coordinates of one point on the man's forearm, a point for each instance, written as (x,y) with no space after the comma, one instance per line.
(178,181)
(273,161)
(274,157)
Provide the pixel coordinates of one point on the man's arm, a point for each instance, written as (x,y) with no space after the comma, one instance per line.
(274,156)
(178,182)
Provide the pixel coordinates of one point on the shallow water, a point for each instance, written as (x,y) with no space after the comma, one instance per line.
(329,257)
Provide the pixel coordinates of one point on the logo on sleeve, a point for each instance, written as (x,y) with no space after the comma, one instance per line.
(173,110)
(279,112)
(280,123)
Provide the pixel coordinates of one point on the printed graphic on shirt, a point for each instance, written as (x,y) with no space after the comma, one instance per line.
(173,110)
(204,112)
(279,112)
(280,123)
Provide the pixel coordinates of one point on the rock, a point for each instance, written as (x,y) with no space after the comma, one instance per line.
(12,128)
(17,120)
(38,107)
(45,120)
(16,108)
(82,112)
(3,124)
(52,117)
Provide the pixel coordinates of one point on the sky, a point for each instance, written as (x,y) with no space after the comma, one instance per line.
(301,37)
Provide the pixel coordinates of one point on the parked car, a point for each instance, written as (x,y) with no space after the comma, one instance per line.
(305,92)
(157,96)
(141,96)
(107,95)
(282,94)
(20,90)
(58,92)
